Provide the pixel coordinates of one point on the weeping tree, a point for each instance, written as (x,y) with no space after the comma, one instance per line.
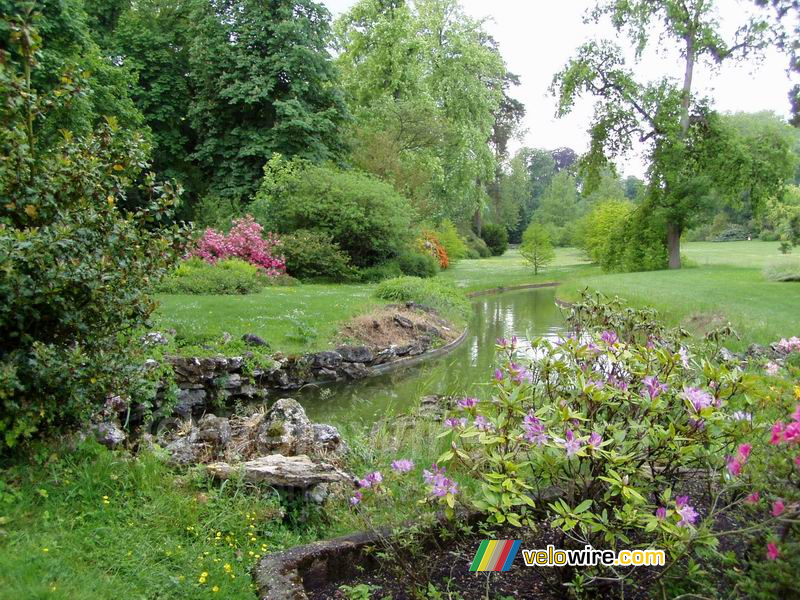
(678,126)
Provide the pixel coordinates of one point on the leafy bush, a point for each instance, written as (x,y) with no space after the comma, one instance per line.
(496,238)
(229,276)
(417,264)
(536,247)
(582,419)
(442,296)
(378,273)
(596,226)
(769,235)
(244,241)
(77,268)
(476,247)
(366,217)
(429,244)
(313,255)
(732,233)
(450,239)
(783,271)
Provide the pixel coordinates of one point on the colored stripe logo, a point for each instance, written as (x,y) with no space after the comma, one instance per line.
(495,555)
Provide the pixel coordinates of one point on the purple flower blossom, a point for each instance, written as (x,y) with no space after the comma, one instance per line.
(571,443)
(620,384)
(595,440)
(434,472)
(687,513)
(455,422)
(440,485)
(653,387)
(371,479)
(742,416)
(357,497)
(609,337)
(661,513)
(684,355)
(534,430)
(520,374)
(467,403)
(772,368)
(483,424)
(402,465)
(698,424)
(498,375)
(698,398)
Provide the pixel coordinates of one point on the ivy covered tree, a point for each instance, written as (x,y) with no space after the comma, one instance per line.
(680,128)
(262,82)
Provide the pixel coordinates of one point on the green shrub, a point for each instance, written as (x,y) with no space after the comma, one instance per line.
(732,233)
(783,271)
(314,255)
(381,272)
(77,267)
(366,217)
(476,247)
(595,227)
(417,264)
(536,248)
(496,237)
(451,240)
(230,276)
(443,296)
(769,235)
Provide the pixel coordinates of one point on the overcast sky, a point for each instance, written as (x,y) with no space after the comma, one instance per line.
(537,38)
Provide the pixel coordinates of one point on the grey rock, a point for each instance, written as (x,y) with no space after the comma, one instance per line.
(109,434)
(384,356)
(402,350)
(403,322)
(429,329)
(328,439)
(354,370)
(356,354)
(254,340)
(190,401)
(285,429)
(232,381)
(726,355)
(214,430)
(155,338)
(183,451)
(150,364)
(326,360)
(282,471)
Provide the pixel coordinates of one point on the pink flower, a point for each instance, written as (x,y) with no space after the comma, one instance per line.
(595,440)
(571,443)
(403,465)
(609,337)
(653,387)
(498,375)
(753,498)
(744,452)
(796,414)
(688,515)
(699,399)
(681,501)
(371,479)
(777,433)
(797,461)
(467,403)
(534,430)
(772,368)
(440,485)
(455,423)
(734,466)
(778,507)
(772,551)
(356,498)
(661,513)
(483,424)
(792,432)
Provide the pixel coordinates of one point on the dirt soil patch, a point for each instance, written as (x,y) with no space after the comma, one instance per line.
(397,325)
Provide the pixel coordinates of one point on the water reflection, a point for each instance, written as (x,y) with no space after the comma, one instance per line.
(527,314)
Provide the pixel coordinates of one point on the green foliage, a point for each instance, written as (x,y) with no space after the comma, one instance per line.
(476,247)
(263,83)
(595,231)
(365,217)
(77,266)
(438,294)
(783,271)
(496,238)
(558,208)
(451,240)
(314,255)
(417,264)
(536,247)
(230,276)
(378,273)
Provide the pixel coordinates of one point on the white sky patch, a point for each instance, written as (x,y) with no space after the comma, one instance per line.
(538,38)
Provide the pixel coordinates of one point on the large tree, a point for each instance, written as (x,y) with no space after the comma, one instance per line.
(263,82)
(665,113)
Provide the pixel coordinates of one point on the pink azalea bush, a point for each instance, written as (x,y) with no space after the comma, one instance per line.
(246,241)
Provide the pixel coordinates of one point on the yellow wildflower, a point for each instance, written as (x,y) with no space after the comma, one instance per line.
(215,589)
(227,567)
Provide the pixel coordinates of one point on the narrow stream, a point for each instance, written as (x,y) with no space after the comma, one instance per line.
(525,313)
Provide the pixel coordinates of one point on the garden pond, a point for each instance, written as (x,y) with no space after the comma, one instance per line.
(527,314)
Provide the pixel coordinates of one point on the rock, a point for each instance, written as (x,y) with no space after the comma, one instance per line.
(726,355)
(328,439)
(429,329)
(154,338)
(326,360)
(756,351)
(252,339)
(356,354)
(214,430)
(183,451)
(354,370)
(419,347)
(384,356)
(226,337)
(403,322)
(109,434)
(189,402)
(285,429)
(232,381)
(283,471)
(402,350)
(150,364)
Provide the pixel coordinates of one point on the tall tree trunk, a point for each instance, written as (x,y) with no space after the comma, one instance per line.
(674,245)
(478,221)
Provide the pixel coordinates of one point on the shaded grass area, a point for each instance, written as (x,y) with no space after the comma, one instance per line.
(754,254)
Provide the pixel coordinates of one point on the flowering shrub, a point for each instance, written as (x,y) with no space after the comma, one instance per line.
(244,241)
(644,442)
(428,243)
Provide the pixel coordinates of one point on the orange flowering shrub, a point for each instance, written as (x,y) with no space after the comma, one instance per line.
(429,243)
